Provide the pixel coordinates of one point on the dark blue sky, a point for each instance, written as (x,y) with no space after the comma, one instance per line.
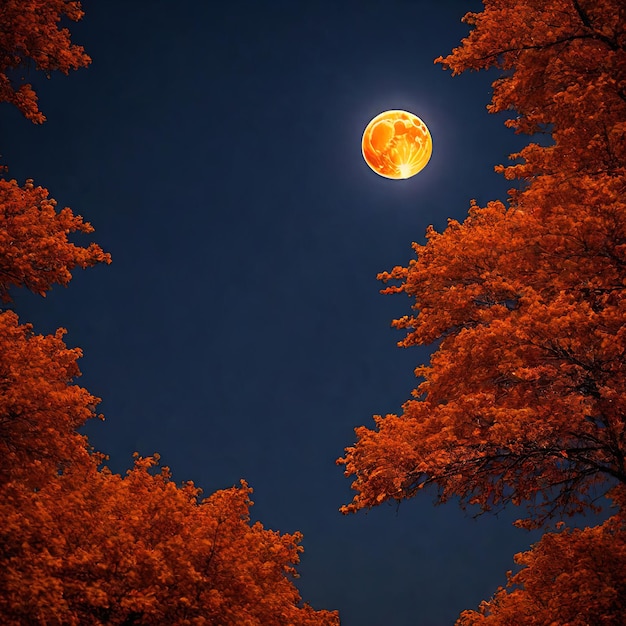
(239,330)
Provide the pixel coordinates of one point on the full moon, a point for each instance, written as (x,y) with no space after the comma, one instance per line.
(397,144)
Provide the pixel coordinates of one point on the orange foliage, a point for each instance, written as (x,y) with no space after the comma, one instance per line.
(40,408)
(92,547)
(78,544)
(574,577)
(562,73)
(524,398)
(34,248)
(30,33)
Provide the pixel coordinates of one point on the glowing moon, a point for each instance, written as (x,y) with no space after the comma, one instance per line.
(397,144)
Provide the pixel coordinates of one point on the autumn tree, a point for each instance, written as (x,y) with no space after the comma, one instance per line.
(577,576)
(96,548)
(31,37)
(34,248)
(35,251)
(523,400)
(40,407)
(79,544)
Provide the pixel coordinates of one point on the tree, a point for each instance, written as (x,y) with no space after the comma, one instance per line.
(524,398)
(79,544)
(575,576)
(92,547)
(30,34)
(35,251)
(40,408)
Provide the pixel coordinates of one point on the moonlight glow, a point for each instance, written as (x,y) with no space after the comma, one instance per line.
(396,144)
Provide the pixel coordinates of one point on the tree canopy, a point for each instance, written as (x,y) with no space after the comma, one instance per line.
(93,547)
(524,398)
(31,36)
(78,543)
(571,577)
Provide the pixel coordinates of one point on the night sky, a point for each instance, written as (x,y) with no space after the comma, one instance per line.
(240,331)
